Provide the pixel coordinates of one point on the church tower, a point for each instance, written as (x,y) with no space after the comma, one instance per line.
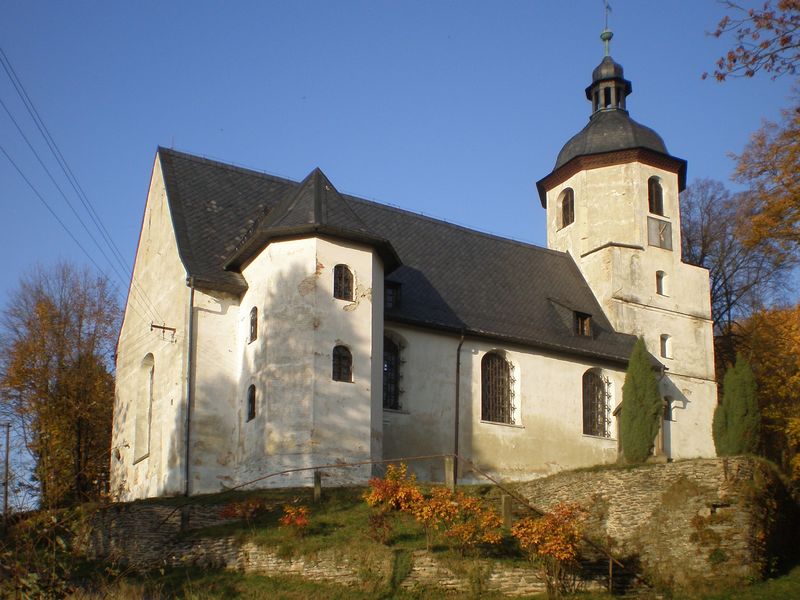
(612,203)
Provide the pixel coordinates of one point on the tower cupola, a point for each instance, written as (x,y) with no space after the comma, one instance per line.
(609,87)
(611,135)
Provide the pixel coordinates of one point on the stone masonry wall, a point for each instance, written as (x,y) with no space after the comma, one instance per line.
(688,523)
(684,524)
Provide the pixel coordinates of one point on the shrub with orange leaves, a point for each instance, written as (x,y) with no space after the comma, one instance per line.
(472,523)
(396,491)
(434,512)
(552,542)
(295,518)
(244,509)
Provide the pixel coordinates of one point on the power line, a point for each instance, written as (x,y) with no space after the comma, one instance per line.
(64,196)
(73,181)
(56,217)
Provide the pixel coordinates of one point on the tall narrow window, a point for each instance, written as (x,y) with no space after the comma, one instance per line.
(251,403)
(596,405)
(342,364)
(391,374)
(567,207)
(144,409)
(655,196)
(666,346)
(496,389)
(342,282)
(661,283)
(253,325)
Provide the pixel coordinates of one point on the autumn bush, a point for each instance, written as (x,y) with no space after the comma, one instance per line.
(552,543)
(464,520)
(296,519)
(247,509)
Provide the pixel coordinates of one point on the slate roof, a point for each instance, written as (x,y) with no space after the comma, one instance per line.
(452,278)
(609,131)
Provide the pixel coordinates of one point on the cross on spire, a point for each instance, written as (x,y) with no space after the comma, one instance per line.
(606,35)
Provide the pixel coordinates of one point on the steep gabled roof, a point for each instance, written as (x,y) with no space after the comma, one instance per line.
(314,207)
(452,278)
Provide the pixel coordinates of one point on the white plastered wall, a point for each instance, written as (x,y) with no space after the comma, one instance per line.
(547,435)
(159,296)
(303,418)
(608,240)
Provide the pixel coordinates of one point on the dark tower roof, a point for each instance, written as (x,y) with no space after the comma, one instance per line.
(610,127)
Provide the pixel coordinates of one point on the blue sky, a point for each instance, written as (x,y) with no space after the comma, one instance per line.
(450,108)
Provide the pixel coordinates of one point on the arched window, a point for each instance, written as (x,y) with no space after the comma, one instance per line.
(661,283)
(666,346)
(342,364)
(144,409)
(497,391)
(596,405)
(251,403)
(253,325)
(391,374)
(567,206)
(342,282)
(655,196)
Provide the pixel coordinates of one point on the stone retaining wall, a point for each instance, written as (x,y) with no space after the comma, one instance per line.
(685,524)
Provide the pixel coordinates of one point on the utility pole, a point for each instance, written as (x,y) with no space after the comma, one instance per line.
(6,477)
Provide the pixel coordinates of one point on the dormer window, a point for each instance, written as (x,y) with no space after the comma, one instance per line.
(342,282)
(567,208)
(391,295)
(655,196)
(583,324)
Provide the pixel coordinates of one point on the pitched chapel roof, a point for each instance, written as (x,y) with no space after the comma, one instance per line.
(314,206)
(451,277)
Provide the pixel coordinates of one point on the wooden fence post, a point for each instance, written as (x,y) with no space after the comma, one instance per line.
(505,509)
(449,473)
(317,486)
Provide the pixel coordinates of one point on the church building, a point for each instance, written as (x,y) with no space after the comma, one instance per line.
(274,325)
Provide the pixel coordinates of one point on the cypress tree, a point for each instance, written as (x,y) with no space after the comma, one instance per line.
(642,406)
(737,422)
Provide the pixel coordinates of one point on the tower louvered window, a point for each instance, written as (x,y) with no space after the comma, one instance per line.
(655,196)
(497,389)
(342,364)
(342,282)
(567,207)
(596,405)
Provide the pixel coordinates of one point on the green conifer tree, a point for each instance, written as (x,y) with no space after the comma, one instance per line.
(737,421)
(642,407)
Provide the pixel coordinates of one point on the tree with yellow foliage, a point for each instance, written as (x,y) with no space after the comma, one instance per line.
(771,339)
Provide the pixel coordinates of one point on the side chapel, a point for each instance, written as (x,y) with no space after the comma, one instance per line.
(274,325)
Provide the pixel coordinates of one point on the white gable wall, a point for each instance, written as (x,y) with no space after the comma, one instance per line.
(158,276)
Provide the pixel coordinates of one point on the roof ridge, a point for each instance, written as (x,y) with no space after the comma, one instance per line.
(465,228)
(357,199)
(224,165)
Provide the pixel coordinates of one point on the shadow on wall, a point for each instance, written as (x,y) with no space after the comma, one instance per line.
(269,404)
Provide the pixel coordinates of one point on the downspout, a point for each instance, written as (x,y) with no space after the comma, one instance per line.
(457,409)
(189,380)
